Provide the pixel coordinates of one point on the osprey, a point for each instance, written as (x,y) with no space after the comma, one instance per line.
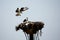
(19,11)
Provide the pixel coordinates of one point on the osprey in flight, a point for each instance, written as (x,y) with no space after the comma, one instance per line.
(19,11)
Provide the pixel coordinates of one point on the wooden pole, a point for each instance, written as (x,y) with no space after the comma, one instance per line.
(31,37)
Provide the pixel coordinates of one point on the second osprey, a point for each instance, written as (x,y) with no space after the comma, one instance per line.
(19,11)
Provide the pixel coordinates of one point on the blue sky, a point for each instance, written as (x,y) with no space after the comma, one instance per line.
(47,11)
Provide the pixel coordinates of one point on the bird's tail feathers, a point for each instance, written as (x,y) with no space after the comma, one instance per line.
(18,14)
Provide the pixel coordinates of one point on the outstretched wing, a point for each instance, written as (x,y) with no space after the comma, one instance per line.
(23,9)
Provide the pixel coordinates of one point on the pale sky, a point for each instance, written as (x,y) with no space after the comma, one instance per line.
(47,11)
